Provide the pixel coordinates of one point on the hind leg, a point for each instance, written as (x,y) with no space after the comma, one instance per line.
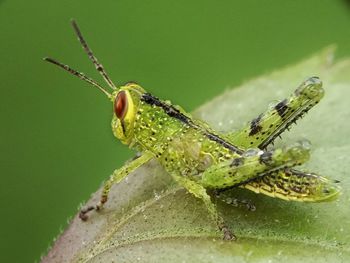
(262,130)
(293,185)
(252,164)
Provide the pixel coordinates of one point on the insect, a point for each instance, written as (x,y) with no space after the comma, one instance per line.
(200,158)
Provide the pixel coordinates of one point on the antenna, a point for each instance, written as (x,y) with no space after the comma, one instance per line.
(78,74)
(94,60)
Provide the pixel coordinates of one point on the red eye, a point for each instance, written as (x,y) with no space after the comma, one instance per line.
(121,105)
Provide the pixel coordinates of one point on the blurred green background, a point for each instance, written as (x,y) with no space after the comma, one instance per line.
(55,137)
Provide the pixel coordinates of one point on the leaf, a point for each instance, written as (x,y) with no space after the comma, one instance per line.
(150,219)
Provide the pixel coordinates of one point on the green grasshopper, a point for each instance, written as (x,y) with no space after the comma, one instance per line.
(200,158)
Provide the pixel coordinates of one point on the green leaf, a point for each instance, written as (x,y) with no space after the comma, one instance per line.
(149,219)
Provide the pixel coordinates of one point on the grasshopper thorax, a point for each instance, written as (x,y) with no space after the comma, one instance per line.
(125,101)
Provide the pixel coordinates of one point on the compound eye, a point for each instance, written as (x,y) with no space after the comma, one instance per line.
(121,105)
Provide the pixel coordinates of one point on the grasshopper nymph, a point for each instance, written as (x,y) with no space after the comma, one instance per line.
(200,158)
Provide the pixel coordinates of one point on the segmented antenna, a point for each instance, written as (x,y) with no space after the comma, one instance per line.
(78,74)
(94,60)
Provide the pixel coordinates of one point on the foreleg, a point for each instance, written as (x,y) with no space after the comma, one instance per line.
(117,176)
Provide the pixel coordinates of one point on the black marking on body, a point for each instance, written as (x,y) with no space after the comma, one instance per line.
(168,109)
(297,189)
(266,157)
(255,126)
(123,126)
(175,113)
(281,107)
(301,174)
(267,180)
(286,124)
(224,143)
(326,191)
(237,162)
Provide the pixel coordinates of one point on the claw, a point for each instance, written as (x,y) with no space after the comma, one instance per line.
(228,235)
(83,212)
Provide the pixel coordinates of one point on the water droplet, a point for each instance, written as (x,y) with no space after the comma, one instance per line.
(306,144)
(156,195)
(252,152)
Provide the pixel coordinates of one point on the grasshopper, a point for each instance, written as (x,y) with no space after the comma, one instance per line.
(200,158)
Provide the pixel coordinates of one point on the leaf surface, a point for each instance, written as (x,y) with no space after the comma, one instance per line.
(150,219)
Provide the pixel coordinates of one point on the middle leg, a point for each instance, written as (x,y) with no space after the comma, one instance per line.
(200,192)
